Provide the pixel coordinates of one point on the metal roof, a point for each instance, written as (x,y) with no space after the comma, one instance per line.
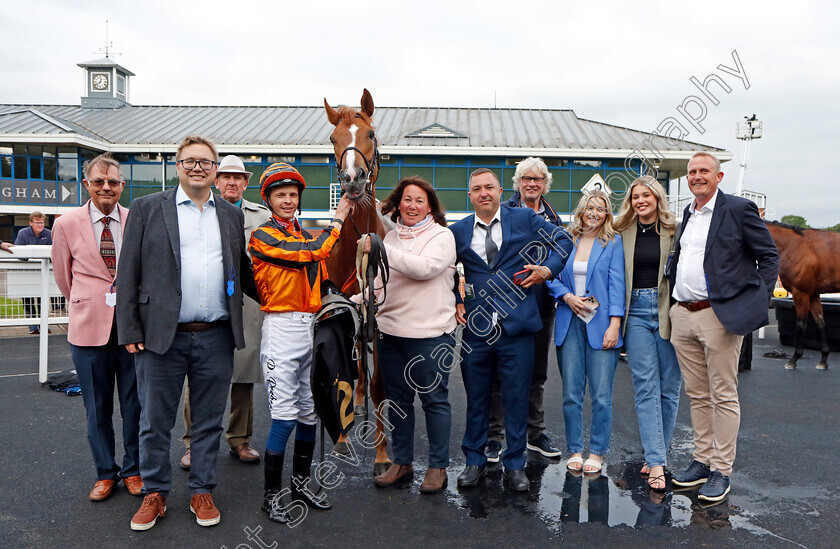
(479,130)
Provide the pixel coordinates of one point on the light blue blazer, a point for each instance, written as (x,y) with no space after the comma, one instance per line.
(604,280)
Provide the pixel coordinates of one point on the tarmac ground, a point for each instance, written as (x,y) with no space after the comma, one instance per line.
(784,488)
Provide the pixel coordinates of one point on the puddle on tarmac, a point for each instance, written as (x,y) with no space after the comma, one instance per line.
(618,496)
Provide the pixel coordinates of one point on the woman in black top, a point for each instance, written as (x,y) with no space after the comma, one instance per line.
(647,228)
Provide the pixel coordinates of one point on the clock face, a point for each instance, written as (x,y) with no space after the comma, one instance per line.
(100,82)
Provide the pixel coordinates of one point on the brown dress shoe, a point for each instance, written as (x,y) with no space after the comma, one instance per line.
(185,460)
(434,482)
(134,485)
(205,511)
(397,476)
(245,453)
(153,506)
(102,490)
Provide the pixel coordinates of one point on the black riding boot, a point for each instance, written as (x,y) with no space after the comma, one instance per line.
(272,504)
(303,487)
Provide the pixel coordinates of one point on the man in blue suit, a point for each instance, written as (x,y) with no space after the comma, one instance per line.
(501,316)
(722,273)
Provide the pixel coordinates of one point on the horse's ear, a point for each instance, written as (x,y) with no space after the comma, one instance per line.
(367,103)
(332,114)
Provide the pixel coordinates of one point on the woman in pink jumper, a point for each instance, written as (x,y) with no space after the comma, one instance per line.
(416,318)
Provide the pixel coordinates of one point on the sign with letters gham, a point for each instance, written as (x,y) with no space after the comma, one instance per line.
(48,193)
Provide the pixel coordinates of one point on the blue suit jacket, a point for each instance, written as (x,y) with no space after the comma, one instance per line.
(741,264)
(525,239)
(604,280)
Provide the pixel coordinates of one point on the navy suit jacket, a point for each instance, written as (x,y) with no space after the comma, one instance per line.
(741,264)
(604,280)
(525,239)
(149,277)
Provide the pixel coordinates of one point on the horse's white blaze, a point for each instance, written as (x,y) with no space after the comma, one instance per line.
(350,163)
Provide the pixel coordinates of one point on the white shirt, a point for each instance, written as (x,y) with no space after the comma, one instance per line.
(579,269)
(115,226)
(202,265)
(691,276)
(480,233)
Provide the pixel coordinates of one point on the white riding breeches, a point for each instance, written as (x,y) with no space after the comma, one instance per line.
(286,359)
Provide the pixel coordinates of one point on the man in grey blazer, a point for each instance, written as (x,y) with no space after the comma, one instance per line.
(182,272)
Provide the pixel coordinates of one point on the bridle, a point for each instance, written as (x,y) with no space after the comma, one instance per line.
(372,165)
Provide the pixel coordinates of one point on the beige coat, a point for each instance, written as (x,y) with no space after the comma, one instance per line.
(246,362)
(665,247)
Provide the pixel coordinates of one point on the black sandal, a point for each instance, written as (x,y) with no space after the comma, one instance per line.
(656,479)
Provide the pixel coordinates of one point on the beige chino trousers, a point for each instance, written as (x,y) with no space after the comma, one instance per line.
(708,357)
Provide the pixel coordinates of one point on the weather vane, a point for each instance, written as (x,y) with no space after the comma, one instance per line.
(107,50)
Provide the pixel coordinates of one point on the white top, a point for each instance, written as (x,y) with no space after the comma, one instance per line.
(691,276)
(202,266)
(115,226)
(579,270)
(479,234)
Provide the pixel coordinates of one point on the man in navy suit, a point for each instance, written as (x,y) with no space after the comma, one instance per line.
(722,273)
(501,316)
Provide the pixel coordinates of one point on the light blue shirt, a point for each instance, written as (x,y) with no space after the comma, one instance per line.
(202,266)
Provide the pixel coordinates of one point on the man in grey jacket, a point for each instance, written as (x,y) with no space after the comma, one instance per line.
(231,181)
(181,277)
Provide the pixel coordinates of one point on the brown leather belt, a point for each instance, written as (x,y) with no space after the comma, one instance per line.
(198,326)
(695,306)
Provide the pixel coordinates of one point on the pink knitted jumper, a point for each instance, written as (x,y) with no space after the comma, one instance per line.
(420,302)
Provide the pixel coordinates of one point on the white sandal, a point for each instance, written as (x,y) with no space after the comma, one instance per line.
(577,460)
(598,465)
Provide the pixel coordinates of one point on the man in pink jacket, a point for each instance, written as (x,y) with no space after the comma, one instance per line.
(86,246)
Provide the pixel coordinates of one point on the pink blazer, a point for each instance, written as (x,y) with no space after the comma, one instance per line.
(82,276)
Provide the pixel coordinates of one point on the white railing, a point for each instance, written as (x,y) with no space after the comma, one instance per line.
(25,279)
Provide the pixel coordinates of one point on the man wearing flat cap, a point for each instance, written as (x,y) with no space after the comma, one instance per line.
(231,181)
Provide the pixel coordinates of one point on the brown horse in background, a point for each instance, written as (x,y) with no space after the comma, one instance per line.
(357,164)
(809,266)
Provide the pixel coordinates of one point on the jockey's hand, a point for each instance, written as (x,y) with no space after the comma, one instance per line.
(345,206)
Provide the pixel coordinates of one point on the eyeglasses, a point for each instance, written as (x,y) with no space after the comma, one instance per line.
(100,182)
(529,179)
(189,164)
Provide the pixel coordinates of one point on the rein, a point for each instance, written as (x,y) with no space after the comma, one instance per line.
(368,266)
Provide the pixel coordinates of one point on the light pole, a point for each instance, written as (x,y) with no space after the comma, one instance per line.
(746,131)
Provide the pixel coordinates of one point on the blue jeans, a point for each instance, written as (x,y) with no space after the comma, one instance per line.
(206,360)
(579,364)
(656,375)
(411,366)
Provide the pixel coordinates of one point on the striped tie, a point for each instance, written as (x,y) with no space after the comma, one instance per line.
(107,248)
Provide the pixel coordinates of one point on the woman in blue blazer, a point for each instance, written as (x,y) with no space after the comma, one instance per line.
(588,353)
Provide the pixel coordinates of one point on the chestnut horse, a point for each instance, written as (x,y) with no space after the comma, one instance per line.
(809,266)
(357,165)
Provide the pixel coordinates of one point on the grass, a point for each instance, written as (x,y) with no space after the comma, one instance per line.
(10,308)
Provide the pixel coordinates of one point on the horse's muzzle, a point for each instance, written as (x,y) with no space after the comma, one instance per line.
(355,187)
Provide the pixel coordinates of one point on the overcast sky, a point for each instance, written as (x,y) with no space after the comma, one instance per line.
(624,63)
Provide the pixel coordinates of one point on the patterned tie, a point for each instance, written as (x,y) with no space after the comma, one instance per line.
(490,248)
(107,248)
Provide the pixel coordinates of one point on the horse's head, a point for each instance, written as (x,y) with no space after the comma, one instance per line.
(356,150)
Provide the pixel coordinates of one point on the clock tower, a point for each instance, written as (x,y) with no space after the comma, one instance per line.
(106,84)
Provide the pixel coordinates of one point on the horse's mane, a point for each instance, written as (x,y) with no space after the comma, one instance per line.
(347,114)
(794,228)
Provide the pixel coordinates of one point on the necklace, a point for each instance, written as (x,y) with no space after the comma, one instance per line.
(646,228)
